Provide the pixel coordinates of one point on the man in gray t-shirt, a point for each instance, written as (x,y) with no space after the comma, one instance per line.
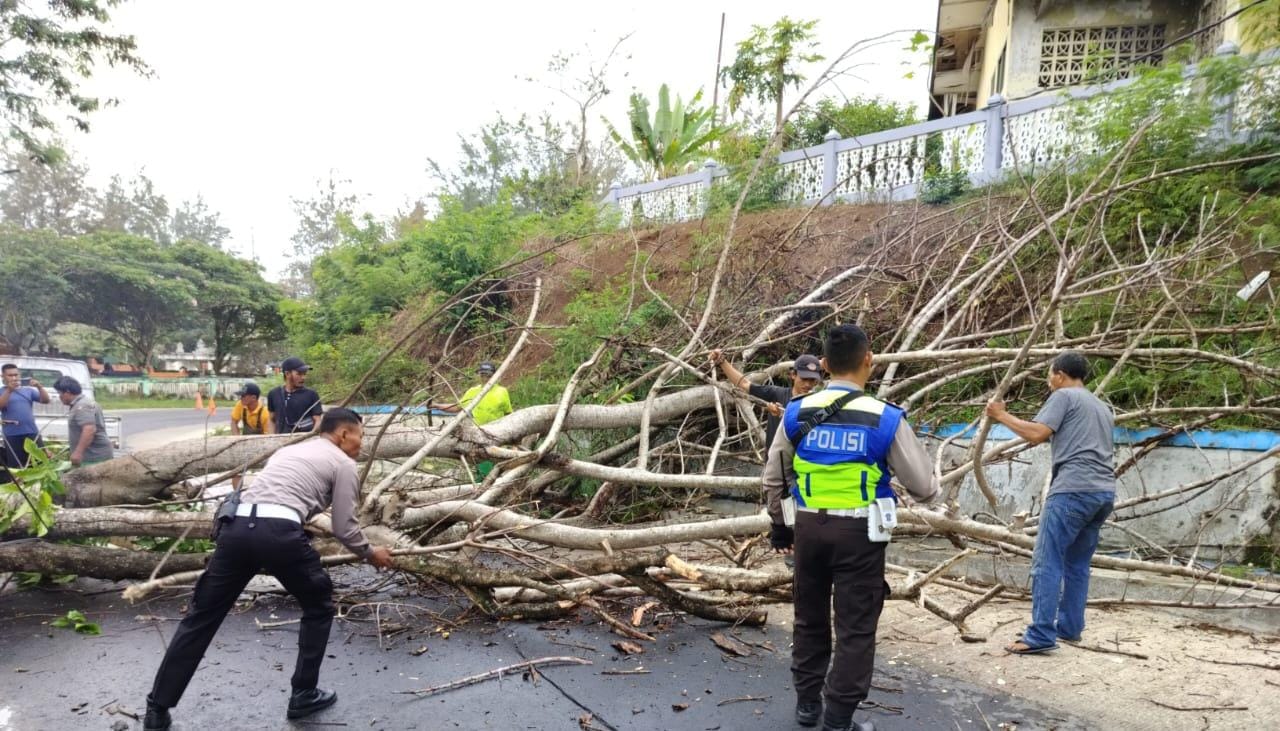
(1082,493)
(86,426)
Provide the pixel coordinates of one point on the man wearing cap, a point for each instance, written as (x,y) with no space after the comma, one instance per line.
(806,373)
(294,408)
(265,535)
(495,405)
(249,416)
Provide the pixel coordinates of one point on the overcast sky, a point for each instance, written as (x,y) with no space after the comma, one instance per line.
(252,102)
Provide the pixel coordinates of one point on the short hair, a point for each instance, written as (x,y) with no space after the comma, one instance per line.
(845,347)
(335,418)
(8,367)
(67,384)
(1071,364)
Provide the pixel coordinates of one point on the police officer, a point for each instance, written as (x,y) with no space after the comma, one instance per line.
(266,535)
(837,450)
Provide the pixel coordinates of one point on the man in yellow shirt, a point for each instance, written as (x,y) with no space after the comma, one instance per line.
(249,416)
(495,405)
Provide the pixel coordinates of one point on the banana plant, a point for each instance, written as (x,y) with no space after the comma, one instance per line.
(675,135)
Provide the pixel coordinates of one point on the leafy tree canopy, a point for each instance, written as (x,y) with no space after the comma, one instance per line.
(49,50)
(768,62)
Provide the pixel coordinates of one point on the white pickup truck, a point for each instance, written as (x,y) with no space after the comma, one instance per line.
(51,418)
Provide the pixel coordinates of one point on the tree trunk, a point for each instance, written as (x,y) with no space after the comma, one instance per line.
(103,563)
(147,474)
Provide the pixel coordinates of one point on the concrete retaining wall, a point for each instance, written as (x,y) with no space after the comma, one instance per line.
(1221,517)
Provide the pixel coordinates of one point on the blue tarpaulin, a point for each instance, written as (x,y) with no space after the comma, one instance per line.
(1252,441)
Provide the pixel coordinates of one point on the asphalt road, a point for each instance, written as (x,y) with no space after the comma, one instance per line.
(154,427)
(137,421)
(53,679)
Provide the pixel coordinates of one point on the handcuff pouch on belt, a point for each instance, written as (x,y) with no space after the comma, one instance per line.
(226,511)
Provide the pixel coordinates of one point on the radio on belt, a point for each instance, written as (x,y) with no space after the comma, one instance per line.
(881,520)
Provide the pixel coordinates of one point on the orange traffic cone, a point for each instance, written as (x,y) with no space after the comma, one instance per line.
(199,400)
(213,406)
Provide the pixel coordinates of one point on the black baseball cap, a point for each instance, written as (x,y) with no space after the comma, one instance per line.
(808,367)
(249,389)
(294,364)
(486,367)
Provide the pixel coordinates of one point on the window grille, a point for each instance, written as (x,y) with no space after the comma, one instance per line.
(1208,41)
(1071,55)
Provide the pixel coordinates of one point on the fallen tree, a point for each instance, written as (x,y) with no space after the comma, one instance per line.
(975,300)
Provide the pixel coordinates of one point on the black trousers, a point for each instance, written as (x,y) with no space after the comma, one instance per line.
(835,561)
(13,453)
(247,546)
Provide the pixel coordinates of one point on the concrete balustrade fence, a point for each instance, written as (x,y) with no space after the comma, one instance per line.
(1032,134)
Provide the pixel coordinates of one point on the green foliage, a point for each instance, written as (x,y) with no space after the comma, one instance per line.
(766,63)
(857,116)
(48,54)
(33,579)
(31,290)
(460,244)
(75,620)
(533,164)
(738,151)
(676,134)
(944,186)
(32,491)
(339,364)
(1260,25)
(233,299)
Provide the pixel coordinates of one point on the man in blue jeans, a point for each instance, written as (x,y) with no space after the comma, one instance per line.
(1079,428)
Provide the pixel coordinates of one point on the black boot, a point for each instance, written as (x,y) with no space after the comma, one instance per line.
(807,713)
(306,702)
(157,718)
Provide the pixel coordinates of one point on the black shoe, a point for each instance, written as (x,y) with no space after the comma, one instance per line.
(157,719)
(307,702)
(848,726)
(807,713)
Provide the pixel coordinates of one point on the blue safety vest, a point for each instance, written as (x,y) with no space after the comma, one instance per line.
(843,462)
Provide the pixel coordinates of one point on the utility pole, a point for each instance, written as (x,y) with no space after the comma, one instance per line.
(715,86)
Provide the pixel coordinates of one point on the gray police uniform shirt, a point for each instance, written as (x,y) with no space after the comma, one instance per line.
(86,412)
(308,477)
(909,464)
(1082,442)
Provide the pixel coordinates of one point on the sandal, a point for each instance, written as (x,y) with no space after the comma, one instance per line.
(1022,648)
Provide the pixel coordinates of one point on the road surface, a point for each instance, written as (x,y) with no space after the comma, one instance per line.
(52,678)
(147,428)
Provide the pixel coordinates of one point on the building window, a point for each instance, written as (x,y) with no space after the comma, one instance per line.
(1071,55)
(1209,39)
(997,76)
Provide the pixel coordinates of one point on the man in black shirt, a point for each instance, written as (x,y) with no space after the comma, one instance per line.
(806,373)
(294,408)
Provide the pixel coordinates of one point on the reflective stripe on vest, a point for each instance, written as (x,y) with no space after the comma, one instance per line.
(843,462)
